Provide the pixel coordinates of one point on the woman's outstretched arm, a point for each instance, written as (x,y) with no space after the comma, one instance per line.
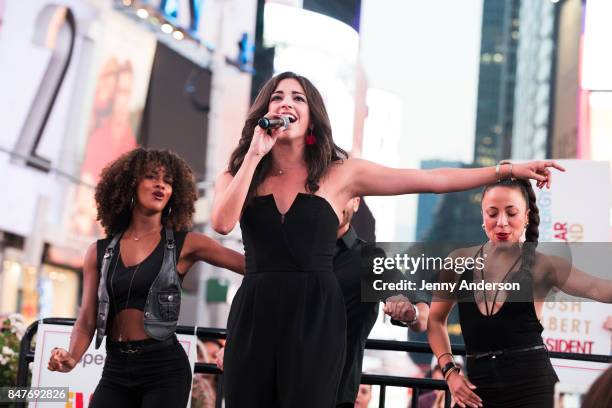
(576,282)
(368,178)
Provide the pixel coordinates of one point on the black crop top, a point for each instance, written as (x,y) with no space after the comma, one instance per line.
(119,276)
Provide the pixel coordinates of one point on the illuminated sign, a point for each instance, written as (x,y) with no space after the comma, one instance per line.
(326,55)
(182,13)
(596,57)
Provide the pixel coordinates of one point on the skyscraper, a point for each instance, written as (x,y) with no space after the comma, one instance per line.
(429,203)
(494,116)
(567,90)
(534,81)
(457,217)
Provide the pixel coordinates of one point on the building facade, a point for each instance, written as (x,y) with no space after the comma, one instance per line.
(496,81)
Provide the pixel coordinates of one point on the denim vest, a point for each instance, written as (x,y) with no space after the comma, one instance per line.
(163,301)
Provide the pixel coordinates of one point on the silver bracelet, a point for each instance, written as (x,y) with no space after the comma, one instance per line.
(502,162)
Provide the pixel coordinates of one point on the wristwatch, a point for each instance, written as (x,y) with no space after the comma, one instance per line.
(448,367)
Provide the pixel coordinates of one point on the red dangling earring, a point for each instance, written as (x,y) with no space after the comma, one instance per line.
(311,139)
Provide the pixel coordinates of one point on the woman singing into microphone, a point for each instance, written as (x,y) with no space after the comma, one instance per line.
(287,187)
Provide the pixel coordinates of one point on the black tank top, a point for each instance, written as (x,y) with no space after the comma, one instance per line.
(514,325)
(119,276)
(302,240)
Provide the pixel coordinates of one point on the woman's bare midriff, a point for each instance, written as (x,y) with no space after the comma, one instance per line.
(129,325)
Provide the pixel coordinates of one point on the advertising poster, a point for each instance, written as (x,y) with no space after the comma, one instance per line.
(44,47)
(84,378)
(123,72)
(576,209)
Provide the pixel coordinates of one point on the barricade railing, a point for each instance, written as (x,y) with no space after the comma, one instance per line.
(26,355)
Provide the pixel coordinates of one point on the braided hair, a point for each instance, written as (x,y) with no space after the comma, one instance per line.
(532,232)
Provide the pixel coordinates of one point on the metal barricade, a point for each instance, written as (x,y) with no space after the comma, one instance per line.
(26,355)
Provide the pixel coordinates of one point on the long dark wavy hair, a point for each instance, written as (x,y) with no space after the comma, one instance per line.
(532,232)
(318,156)
(116,190)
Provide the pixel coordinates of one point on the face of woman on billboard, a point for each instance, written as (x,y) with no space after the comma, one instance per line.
(504,214)
(289,99)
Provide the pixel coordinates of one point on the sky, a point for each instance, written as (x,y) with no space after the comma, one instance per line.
(426,52)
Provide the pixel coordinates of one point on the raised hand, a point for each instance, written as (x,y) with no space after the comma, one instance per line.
(263,140)
(536,170)
(61,361)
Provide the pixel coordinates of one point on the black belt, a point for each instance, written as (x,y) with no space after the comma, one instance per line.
(496,353)
(139,346)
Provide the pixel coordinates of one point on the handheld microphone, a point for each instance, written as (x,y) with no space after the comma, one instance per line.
(267,123)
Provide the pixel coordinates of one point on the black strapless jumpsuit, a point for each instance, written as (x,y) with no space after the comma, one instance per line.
(287,323)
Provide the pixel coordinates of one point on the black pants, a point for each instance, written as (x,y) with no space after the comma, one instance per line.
(158,376)
(286,341)
(525,379)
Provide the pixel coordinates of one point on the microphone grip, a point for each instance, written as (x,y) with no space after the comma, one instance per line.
(267,123)
(264,123)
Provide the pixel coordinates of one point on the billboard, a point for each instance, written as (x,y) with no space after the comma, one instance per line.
(577,327)
(595,101)
(326,55)
(123,70)
(84,378)
(43,49)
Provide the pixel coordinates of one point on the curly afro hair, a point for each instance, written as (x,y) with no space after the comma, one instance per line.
(118,182)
